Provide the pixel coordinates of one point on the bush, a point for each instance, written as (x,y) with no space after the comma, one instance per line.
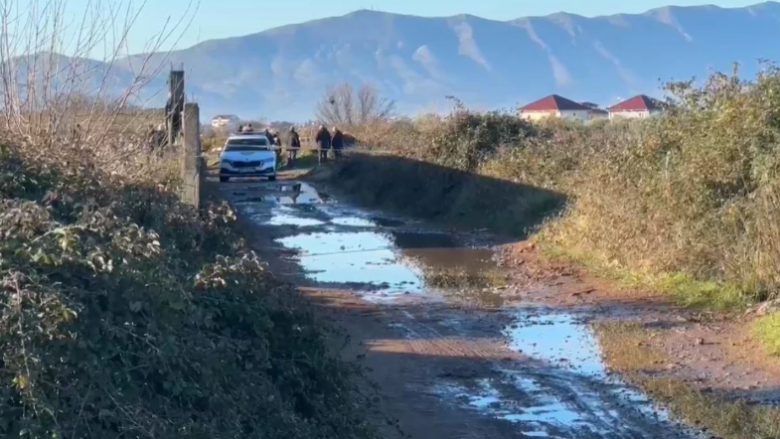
(692,194)
(126,312)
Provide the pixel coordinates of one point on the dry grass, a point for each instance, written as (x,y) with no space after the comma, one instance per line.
(627,351)
(685,203)
(463,278)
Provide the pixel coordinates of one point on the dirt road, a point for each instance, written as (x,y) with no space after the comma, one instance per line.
(450,363)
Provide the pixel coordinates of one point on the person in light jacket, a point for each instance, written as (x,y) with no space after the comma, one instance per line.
(337,143)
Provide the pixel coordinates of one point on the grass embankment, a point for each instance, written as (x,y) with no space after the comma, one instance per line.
(126,312)
(684,203)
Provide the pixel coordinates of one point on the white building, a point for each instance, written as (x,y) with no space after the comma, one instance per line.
(596,113)
(556,106)
(228,121)
(638,107)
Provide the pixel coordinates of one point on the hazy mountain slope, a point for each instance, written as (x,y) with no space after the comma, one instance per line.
(280,73)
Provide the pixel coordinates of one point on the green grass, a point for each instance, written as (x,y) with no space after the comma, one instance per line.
(767,330)
(681,288)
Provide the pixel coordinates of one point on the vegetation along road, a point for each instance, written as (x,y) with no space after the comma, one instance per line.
(458,275)
(548,279)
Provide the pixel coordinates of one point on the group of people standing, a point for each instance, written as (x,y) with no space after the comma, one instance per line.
(324,139)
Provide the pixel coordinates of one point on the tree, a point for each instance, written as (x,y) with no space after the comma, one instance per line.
(340,105)
(67,64)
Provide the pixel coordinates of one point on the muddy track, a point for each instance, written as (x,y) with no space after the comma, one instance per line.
(446,368)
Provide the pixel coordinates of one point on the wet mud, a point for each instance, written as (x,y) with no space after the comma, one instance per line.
(520,369)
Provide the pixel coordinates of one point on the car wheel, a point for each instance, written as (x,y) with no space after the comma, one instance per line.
(223,179)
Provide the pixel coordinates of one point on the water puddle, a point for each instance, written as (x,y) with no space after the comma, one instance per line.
(557,339)
(355,258)
(523,402)
(563,389)
(298,193)
(353,221)
(559,388)
(286,219)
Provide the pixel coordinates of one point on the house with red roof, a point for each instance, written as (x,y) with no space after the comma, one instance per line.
(638,107)
(555,106)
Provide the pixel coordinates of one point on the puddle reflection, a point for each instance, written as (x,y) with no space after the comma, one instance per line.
(299,193)
(353,221)
(285,219)
(558,339)
(571,395)
(355,257)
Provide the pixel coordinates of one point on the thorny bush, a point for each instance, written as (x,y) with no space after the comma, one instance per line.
(127,313)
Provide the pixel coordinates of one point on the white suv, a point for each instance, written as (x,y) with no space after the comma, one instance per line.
(247,155)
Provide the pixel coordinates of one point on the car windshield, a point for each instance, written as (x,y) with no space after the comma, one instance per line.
(250,144)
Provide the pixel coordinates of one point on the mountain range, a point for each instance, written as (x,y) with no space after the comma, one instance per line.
(280,73)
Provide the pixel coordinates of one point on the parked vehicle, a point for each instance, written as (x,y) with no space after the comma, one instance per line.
(247,155)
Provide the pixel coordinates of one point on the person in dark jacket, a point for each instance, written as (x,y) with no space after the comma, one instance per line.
(337,143)
(293,146)
(323,141)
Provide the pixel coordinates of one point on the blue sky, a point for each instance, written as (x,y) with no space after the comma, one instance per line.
(226,18)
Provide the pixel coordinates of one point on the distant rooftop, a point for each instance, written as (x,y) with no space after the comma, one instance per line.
(637,103)
(554,103)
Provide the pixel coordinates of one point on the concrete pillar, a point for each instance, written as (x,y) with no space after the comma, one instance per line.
(176,102)
(192,168)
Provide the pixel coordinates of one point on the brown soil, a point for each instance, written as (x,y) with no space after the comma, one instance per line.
(412,347)
(404,368)
(710,352)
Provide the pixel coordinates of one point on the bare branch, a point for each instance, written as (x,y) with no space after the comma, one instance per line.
(340,105)
(52,82)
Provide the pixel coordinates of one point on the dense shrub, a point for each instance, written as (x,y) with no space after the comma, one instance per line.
(465,140)
(127,313)
(693,193)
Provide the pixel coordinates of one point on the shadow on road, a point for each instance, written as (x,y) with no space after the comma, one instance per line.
(431,192)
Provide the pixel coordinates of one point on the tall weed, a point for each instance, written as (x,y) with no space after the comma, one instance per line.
(692,193)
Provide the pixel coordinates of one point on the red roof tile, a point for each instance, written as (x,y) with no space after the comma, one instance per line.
(554,103)
(637,103)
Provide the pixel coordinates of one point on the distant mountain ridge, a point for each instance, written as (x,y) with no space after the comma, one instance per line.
(281,72)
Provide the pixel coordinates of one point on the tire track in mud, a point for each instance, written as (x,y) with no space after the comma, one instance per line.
(510,385)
